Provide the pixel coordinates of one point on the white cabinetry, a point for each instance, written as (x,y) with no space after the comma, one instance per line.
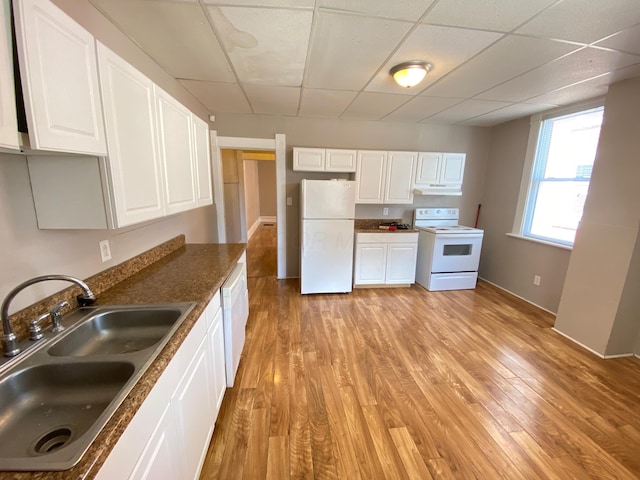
(324,160)
(371,176)
(176,152)
(60,80)
(440,173)
(202,160)
(9,138)
(134,160)
(385,177)
(385,258)
(169,435)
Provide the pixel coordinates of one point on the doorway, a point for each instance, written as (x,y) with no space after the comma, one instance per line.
(256,146)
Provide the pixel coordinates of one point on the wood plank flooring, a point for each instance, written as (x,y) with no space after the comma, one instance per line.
(411,384)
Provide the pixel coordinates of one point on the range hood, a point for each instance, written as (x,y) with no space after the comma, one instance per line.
(437,189)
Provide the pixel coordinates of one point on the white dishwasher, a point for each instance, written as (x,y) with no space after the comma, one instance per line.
(235,311)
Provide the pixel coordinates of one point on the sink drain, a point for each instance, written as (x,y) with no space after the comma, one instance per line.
(53,440)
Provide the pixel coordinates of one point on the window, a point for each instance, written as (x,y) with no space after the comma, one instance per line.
(564,154)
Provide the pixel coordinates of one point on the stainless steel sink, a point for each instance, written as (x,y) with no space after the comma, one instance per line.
(59,393)
(116,332)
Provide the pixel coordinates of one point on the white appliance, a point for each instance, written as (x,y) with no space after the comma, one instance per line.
(448,253)
(326,238)
(235,311)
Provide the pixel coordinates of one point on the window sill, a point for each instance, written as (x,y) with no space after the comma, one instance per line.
(543,242)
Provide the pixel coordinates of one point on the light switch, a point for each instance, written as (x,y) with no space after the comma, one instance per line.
(289,201)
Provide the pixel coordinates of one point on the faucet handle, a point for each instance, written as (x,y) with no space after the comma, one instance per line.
(55,316)
(35,330)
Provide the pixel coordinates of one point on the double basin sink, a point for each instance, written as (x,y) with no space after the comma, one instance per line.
(56,396)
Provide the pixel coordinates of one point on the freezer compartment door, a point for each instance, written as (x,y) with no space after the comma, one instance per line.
(328,199)
(326,251)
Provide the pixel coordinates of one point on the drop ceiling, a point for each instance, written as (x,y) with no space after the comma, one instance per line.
(493,60)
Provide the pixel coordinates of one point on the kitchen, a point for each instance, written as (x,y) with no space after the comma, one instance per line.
(493,173)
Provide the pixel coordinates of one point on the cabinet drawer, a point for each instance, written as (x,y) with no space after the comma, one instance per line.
(387,237)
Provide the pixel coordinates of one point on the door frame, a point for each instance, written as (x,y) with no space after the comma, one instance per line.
(277,144)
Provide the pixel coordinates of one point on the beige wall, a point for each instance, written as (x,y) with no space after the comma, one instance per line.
(251,192)
(28,252)
(267,180)
(592,308)
(365,135)
(511,262)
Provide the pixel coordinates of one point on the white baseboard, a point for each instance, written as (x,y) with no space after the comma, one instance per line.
(257,223)
(598,354)
(518,296)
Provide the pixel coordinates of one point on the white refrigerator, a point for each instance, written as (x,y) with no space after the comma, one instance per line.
(326,237)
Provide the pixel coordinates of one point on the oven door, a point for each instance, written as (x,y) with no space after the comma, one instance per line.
(456,252)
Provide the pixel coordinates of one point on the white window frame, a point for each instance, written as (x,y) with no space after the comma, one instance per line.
(527,171)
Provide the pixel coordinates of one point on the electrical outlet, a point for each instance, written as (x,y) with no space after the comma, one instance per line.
(105,250)
(536,280)
(385,211)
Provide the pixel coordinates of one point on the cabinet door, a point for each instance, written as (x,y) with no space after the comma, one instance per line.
(370,264)
(340,160)
(401,168)
(159,460)
(202,161)
(452,171)
(308,159)
(192,405)
(60,80)
(176,153)
(371,171)
(216,352)
(8,120)
(428,170)
(134,162)
(401,263)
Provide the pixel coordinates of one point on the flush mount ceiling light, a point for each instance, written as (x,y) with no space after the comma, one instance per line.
(410,74)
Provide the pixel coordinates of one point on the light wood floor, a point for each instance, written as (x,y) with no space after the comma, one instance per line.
(406,383)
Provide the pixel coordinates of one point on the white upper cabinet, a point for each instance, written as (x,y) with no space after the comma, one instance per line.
(324,160)
(440,173)
(134,161)
(8,121)
(308,159)
(340,160)
(60,80)
(371,176)
(202,157)
(176,152)
(401,167)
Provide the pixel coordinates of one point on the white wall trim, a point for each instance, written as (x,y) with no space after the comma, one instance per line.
(259,221)
(518,296)
(281,202)
(268,219)
(536,240)
(604,357)
(218,187)
(243,143)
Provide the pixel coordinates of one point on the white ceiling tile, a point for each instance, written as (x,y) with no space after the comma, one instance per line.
(505,59)
(218,97)
(405,10)
(266,46)
(576,67)
(421,107)
(176,35)
(584,20)
(263,3)
(515,110)
(325,103)
(500,15)
(444,47)
(273,100)
(374,106)
(626,41)
(575,93)
(466,110)
(347,50)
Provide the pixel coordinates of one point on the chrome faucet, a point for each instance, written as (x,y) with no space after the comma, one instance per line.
(9,339)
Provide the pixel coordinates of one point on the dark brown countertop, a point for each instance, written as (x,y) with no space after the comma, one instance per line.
(371,225)
(190,273)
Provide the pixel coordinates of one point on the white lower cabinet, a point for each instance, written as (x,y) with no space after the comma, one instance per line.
(385,258)
(169,435)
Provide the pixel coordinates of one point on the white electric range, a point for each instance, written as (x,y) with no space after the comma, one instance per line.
(448,253)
